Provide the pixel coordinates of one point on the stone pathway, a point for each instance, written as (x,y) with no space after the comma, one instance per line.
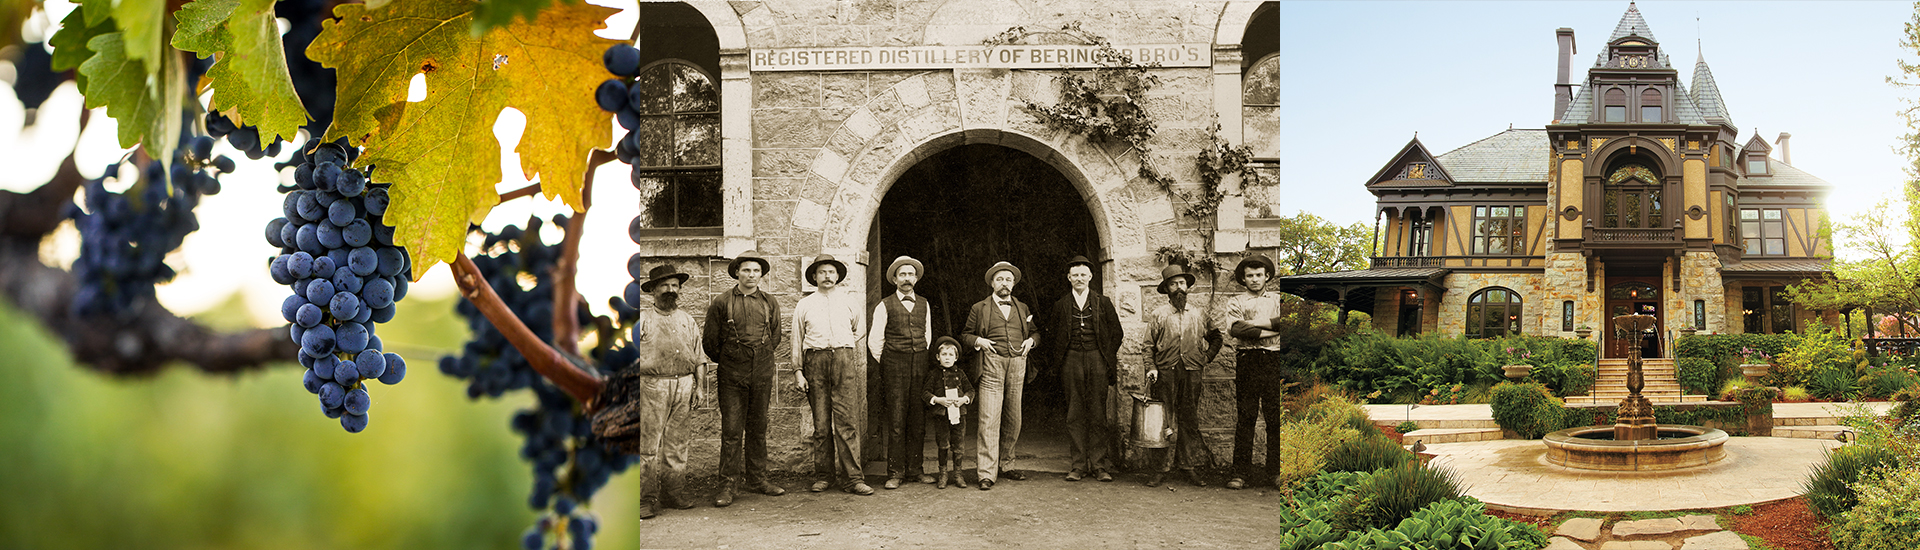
(1513,475)
(1699,532)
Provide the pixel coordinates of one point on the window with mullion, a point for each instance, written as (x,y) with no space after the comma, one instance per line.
(1763,231)
(1492,313)
(1419,235)
(1499,230)
(677,148)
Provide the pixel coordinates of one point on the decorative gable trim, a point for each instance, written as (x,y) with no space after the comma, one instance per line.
(1413,164)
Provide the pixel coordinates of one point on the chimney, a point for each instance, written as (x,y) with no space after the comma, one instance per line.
(1563,88)
(1786,156)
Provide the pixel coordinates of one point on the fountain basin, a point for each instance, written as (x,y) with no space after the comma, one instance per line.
(1593,448)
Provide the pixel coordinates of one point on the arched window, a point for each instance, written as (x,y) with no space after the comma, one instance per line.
(1261,87)
(1650,106)
(677,147)
(1493,312)
(1633,198)
(1616,105)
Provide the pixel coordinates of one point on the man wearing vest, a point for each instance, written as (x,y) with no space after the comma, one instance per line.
(743,329)
(669,344)
(826,326)
(1002,328)
(905,324)
(1086,333)
(1249,318)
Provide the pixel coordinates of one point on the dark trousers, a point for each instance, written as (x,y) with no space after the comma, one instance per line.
(1085,377)
(905,374)
(745,390)
(1180,389)
(947,437)
(837,391)
(1256,391)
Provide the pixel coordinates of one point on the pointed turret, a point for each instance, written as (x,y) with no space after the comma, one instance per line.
(1631,24)
(1706,95)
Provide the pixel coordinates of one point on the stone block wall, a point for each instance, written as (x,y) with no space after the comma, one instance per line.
(1461,286)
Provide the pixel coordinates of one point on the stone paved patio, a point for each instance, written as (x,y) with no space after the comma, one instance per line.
(1513,475)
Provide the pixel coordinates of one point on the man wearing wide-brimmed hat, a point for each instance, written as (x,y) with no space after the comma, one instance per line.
(826,327)
(1085,330)
(1180,344)
(742,332)
(1002,328)
(902,331)
(669,344)
(1249,318)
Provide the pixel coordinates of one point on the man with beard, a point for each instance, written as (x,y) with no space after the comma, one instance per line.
(1086,330)
(826,325)
(1250,318)
(1002,328)
(743,329)
(1180,344)
(669,344)
(904,323)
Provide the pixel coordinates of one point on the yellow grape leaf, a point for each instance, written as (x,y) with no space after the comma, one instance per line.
(440,153)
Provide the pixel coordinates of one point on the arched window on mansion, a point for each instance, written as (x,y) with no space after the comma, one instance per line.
(1493,312)
(1633,198)
(677,154)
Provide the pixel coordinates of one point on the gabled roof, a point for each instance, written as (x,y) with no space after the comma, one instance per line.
(1784,175)
(1512,156)
(1706,94)
(1756,144)
(1414,151)
(1631,24)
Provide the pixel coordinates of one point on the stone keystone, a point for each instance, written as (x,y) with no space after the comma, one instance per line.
(1660,526)
(1723,540)
(1585,529)
(1636,545)
(1562,543)
(1699,523)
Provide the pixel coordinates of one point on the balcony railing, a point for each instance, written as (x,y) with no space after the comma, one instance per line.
(1612,235)
(1407,261)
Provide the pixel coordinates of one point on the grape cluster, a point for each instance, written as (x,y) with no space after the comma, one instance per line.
(125,237)
(244,138)
(570,463)
(346,274)
(621,97)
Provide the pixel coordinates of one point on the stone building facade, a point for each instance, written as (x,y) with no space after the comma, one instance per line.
(856,128)
(1638,197)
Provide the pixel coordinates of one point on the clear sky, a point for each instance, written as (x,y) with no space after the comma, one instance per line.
(1359,79)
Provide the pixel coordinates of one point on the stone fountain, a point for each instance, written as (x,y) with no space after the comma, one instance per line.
(1635,442)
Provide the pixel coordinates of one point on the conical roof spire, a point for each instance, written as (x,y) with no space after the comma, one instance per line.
(1632,24)
(1706,94)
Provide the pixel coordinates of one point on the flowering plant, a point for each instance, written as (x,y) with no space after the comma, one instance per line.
(1749,355)
(1522,353)
(1445,395)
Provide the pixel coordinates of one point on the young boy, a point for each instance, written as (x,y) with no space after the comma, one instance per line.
(949,391)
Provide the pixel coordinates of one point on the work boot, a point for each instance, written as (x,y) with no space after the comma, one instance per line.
(1015,475)
(1075,475)
(766,488)
(671,491)
(1236,484)
(725,498)
(1102,475)
(959,479)
(924,478)
(1155,480)
(1195,479)
(860,488)
(942,482)
(649,508)
(893,483)
(819,486)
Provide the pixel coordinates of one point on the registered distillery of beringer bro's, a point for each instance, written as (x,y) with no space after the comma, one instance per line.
(961,134)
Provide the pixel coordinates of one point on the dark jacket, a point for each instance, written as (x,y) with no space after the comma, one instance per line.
(722,343)
(1106,328)
(985,311)
(940,378)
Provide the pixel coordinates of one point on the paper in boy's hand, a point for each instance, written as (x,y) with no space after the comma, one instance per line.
(953,411)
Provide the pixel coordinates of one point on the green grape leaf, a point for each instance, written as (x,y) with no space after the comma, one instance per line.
(70,43)
(250,81)
(142,22)
(500,13)
(440,153)
(145,104)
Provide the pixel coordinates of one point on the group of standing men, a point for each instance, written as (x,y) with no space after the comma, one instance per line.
(742,331)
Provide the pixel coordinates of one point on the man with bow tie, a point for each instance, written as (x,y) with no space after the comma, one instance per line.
(902,330)
(1002,328)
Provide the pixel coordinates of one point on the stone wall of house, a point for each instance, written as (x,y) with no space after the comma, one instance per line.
(1699,280)
(1461,286)
(825,146)
(1566,279)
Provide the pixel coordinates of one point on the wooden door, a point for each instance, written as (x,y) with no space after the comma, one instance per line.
(1633,297)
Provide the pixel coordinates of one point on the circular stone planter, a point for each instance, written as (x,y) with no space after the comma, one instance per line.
(1755,371)
(1593,448)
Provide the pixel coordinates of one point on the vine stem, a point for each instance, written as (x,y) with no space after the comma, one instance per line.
(527,191)
(556,367)
(566,294)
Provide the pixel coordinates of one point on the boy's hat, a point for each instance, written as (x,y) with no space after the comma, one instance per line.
(944,341)
(1240,270)
(826,259)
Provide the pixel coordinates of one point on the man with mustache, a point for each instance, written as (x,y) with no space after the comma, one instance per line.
(1180,344)
(904,323)
(669,344)
(743,329)
(1086,330)
(1002,328)
(1250,318)
(826,325)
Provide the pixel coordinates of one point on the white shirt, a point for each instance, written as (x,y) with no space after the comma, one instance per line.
(876,342)
(827,319)
(1080,298)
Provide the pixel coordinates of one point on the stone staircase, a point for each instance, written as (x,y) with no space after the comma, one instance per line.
(1610,383)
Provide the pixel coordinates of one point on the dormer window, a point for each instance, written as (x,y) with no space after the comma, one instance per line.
(1616,106)
(1650,106)
(1757,165)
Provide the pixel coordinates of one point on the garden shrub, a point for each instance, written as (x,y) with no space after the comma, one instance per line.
(1333,409)
(1405,427)
(1887,515)
(1304,443)
(1795,393)
(1818,349)
(1578,379)
(1907,406)
(1833,383)
(1383,367)
(1458,523)
(1698,375)
(1305,513)
(1721,348)
(1366,454)
(1886,380)
(1830,489)
(1393,494)
(1527,409)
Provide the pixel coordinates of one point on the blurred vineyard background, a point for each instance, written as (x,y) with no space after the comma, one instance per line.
(190,460)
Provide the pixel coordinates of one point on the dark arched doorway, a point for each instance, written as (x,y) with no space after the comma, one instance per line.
(961,210)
